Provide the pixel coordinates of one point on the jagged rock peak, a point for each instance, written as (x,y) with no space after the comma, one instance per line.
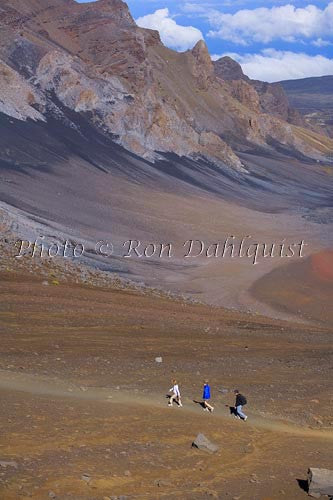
(229,69)
(200,50)
(119,7)
(202,57)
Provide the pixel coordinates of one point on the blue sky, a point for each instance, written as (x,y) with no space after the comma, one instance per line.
(273,40)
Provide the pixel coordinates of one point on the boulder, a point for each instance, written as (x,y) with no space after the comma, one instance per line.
(320,482)
(202,443)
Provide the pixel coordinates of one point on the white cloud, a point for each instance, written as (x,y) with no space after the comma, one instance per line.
(215,57)
(266,24)
(321,43)
(273,65)
(172,34)
(197,8)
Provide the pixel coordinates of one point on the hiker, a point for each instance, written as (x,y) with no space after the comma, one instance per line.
(240,402)
(206,397)
(175,396)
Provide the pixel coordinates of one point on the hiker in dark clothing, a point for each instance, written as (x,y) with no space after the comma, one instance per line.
(240,402)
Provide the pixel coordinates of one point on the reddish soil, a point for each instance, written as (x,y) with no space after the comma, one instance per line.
(82,394)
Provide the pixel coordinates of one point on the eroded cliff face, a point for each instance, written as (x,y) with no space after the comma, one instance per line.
(93,59)
(272,98)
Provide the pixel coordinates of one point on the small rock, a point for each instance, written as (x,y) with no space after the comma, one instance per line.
(212,494)
(159,359)
(127,473)
(202,443)
(160,483)
(52,494)
(86,478)
(8,464)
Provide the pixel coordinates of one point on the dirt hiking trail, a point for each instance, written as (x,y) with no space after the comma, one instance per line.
(45,386)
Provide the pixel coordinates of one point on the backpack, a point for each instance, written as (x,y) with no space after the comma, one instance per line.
(244,400)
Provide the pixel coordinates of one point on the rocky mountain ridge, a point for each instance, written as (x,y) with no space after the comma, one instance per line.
(313,98)
(269,98)
(94,60)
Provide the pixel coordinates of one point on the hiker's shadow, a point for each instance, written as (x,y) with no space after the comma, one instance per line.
(168,397)
(201,403)
(233,411)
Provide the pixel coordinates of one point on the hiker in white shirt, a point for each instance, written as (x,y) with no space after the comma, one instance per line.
(175,396)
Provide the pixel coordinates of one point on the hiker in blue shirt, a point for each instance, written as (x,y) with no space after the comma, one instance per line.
(206,398)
